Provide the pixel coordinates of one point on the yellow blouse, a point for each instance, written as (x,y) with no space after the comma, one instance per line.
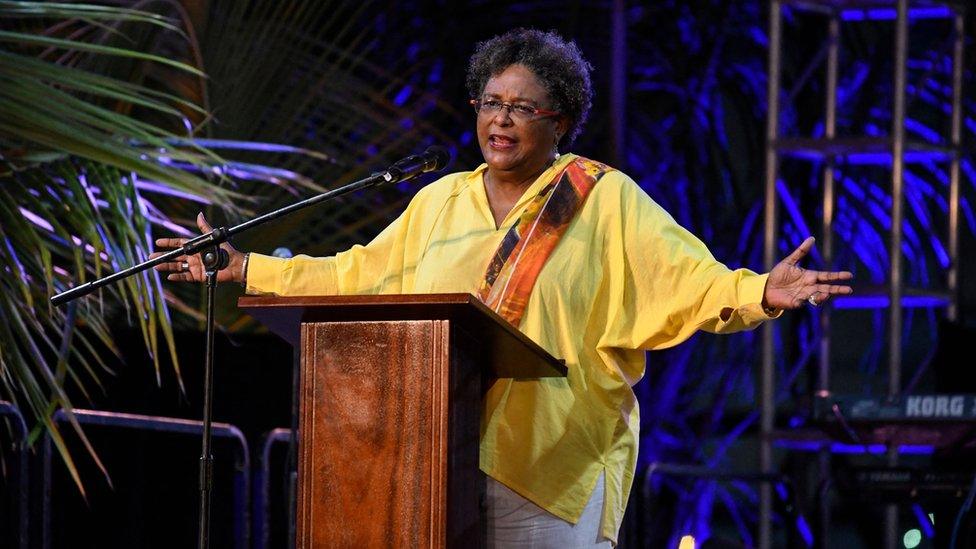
(624,278)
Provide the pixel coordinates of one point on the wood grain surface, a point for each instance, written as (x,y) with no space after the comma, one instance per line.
(375,424)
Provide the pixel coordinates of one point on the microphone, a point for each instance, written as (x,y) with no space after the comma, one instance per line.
(282,252)
(435,158)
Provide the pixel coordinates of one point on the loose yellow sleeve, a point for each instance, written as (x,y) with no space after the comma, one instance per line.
(668,285)
(377,267)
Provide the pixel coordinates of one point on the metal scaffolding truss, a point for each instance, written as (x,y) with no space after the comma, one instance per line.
(833,152)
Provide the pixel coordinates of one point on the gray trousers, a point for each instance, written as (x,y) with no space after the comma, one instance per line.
(515,522)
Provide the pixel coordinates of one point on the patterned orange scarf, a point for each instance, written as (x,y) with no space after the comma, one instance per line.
(526,247)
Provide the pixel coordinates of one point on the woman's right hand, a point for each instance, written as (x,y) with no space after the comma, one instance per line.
(189,268)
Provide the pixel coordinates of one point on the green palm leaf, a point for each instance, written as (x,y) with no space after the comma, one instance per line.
(74,166)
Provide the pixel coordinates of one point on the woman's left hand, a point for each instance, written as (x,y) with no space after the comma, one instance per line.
(790,286)
(189,268)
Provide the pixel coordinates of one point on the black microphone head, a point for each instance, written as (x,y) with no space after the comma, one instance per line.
(438,158)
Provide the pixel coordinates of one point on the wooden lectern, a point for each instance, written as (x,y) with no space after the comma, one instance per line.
(391,399)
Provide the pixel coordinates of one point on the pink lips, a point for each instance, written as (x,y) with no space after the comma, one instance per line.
(501,142)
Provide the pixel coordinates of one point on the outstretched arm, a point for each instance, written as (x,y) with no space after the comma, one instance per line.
(790,286)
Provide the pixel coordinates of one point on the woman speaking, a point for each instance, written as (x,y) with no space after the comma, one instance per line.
(573,253)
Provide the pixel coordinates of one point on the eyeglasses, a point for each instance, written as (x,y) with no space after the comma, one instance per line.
(520,111)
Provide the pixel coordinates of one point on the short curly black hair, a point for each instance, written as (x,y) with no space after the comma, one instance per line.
(557,63)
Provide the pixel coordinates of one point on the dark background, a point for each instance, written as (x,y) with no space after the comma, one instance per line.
(687,122)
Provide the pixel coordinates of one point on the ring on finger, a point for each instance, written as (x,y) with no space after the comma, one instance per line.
(813,301)
(184,266)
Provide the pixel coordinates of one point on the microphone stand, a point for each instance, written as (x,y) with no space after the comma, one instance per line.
(215,259)
(213,263)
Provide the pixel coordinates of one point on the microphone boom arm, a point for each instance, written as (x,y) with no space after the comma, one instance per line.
(435,158)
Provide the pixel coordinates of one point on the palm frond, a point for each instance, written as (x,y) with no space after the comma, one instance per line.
(72,167)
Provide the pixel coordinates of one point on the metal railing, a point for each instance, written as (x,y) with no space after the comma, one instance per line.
(262,493)
(19,447)
(242,465)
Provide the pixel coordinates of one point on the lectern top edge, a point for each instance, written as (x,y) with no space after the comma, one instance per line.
(369,300)
(282,316)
